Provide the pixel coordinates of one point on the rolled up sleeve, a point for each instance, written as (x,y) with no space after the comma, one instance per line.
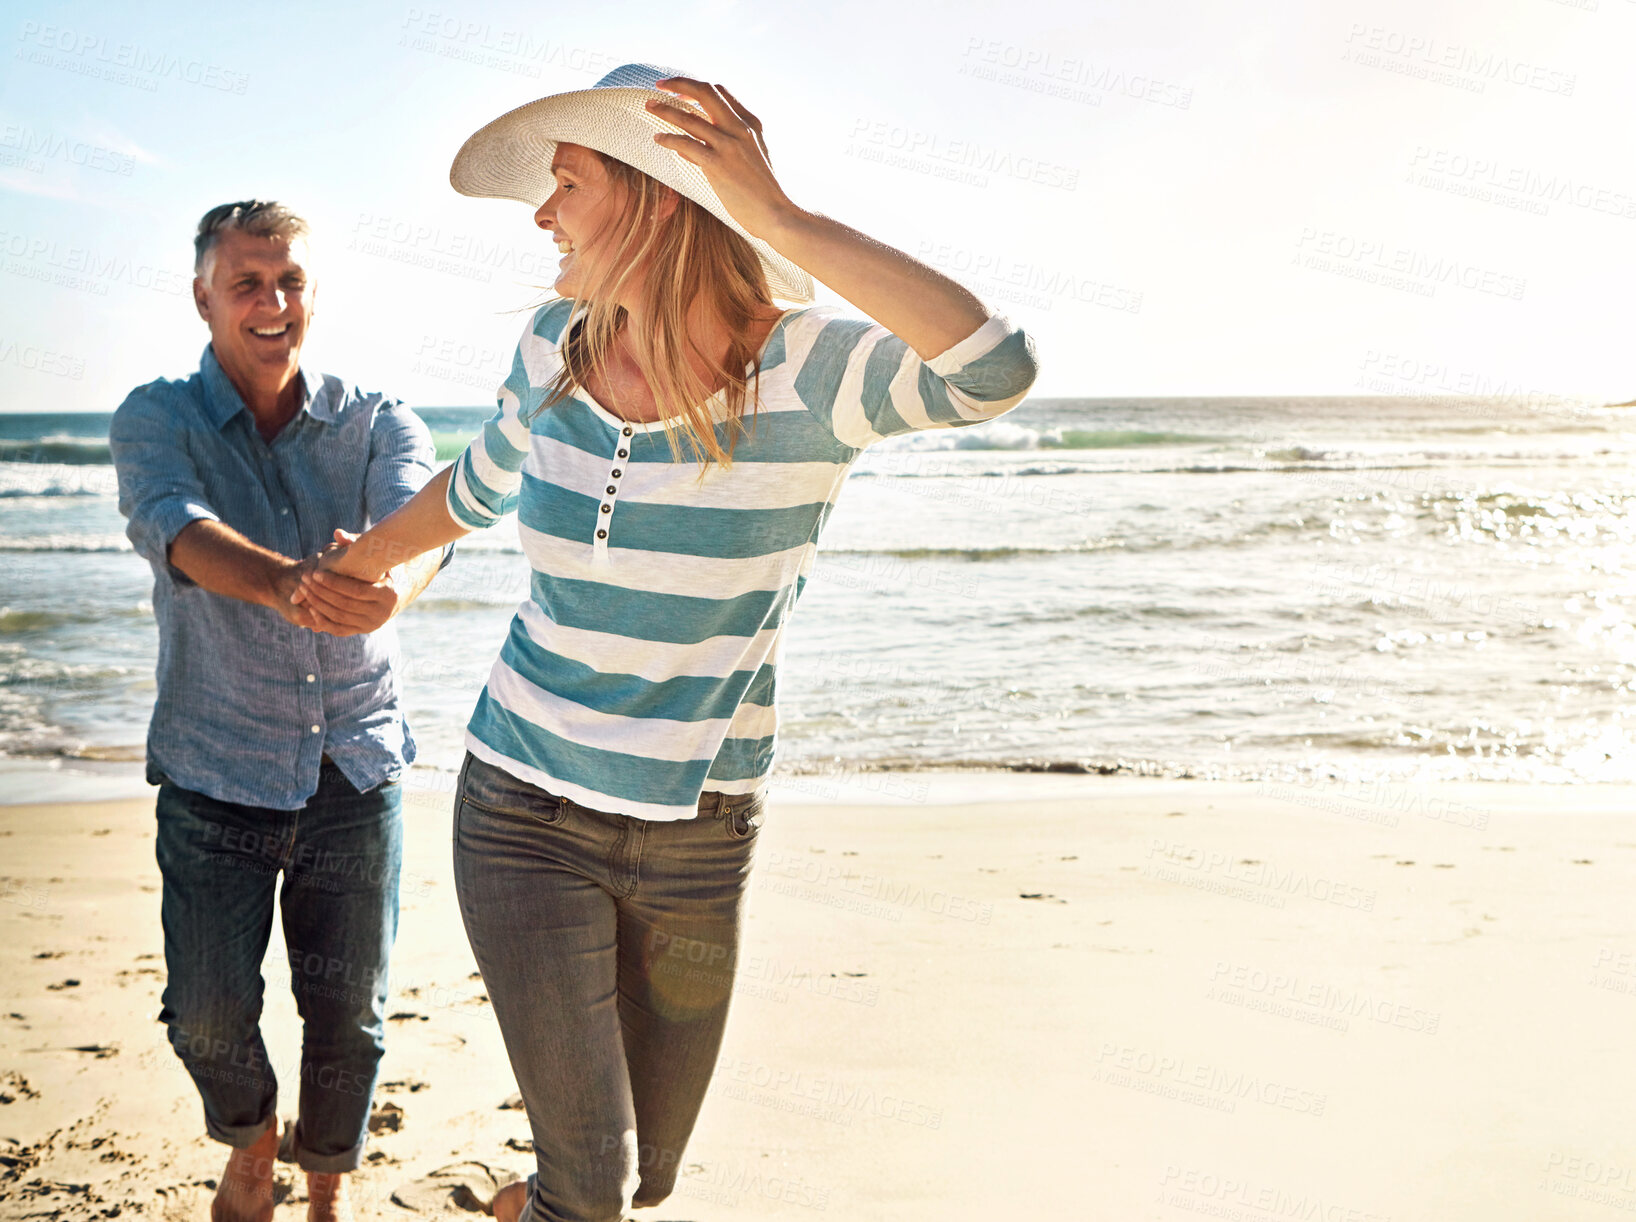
(159,487)
(866,384)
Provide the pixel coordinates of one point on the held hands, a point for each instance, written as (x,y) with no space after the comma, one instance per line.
(728,147)
(338,592)
(286,586)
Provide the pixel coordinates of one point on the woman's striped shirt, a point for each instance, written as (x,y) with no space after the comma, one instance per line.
(642,668)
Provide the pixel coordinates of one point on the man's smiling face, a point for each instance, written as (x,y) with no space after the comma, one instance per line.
(256,293)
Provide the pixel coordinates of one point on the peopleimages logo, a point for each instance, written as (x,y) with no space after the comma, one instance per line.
(29,143)
(40,359)
(1450,63)
(95,55)
(930,152)
(1036,285)
(1377,261)
(80,267)
(1072,77)
(1519,187)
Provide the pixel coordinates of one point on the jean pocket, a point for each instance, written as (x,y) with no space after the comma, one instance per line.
(742,814)
(496,792)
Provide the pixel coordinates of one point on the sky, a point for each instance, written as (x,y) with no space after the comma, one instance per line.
(1174,197)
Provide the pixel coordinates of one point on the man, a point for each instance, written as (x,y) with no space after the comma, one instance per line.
(277,741)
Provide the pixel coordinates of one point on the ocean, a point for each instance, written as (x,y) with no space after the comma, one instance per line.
(1369,589)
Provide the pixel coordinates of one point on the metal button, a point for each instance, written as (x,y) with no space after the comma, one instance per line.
(612,490)
(601,534)
(607,509)
(315,729)
(624,453)
(627,430)
(284,511)
(311,678)
(617,473)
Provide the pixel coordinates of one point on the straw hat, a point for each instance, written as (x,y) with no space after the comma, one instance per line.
(510,158)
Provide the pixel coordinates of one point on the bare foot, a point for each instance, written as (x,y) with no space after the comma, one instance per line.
(509,1201)
(245,1193)
(327,1199)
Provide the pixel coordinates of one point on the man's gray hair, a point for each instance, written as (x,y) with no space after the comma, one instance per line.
(262,218)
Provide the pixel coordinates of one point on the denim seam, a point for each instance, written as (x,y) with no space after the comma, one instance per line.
(617,857)
(289,846)
(636,858)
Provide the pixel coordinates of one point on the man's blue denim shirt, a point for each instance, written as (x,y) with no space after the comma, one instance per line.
(249,703)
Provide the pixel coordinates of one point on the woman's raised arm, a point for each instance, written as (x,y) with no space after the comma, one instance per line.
(924,308)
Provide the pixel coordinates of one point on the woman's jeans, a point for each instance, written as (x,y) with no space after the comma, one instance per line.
(607,944)
(340,856)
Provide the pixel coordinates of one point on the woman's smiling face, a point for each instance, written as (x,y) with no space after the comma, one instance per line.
(583,209)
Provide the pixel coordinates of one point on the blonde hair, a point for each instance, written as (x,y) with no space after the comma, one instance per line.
(687,259)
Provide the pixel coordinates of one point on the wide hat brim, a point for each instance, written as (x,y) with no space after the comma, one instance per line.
(510,158)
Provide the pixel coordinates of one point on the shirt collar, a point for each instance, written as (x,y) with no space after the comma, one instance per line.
(223,401)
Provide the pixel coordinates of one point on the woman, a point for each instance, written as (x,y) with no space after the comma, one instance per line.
(672,442)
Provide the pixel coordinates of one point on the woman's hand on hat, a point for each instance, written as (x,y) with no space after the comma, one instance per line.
(727,145)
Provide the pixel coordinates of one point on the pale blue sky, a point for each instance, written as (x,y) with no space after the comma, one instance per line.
(1176,197)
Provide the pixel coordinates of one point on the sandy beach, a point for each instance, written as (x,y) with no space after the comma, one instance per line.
(966,997)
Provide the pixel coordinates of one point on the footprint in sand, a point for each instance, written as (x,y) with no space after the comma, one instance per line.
(461,1187)
(386,1118)
(14,1086)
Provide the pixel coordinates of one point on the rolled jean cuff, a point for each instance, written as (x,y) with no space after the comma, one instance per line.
(241,1136)
(328,1164)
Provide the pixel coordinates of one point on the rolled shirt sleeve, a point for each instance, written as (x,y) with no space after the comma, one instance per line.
(865,384)
(159,487)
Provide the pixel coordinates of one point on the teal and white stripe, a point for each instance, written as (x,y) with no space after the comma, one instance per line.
(642,669)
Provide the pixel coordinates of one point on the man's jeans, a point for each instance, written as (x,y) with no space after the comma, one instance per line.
(607,944)
(340,855)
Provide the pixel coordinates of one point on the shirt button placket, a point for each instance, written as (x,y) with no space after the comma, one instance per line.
(311,696)
(610,491)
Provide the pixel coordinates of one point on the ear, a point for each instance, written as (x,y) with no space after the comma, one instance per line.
(200,302)
(665,205)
